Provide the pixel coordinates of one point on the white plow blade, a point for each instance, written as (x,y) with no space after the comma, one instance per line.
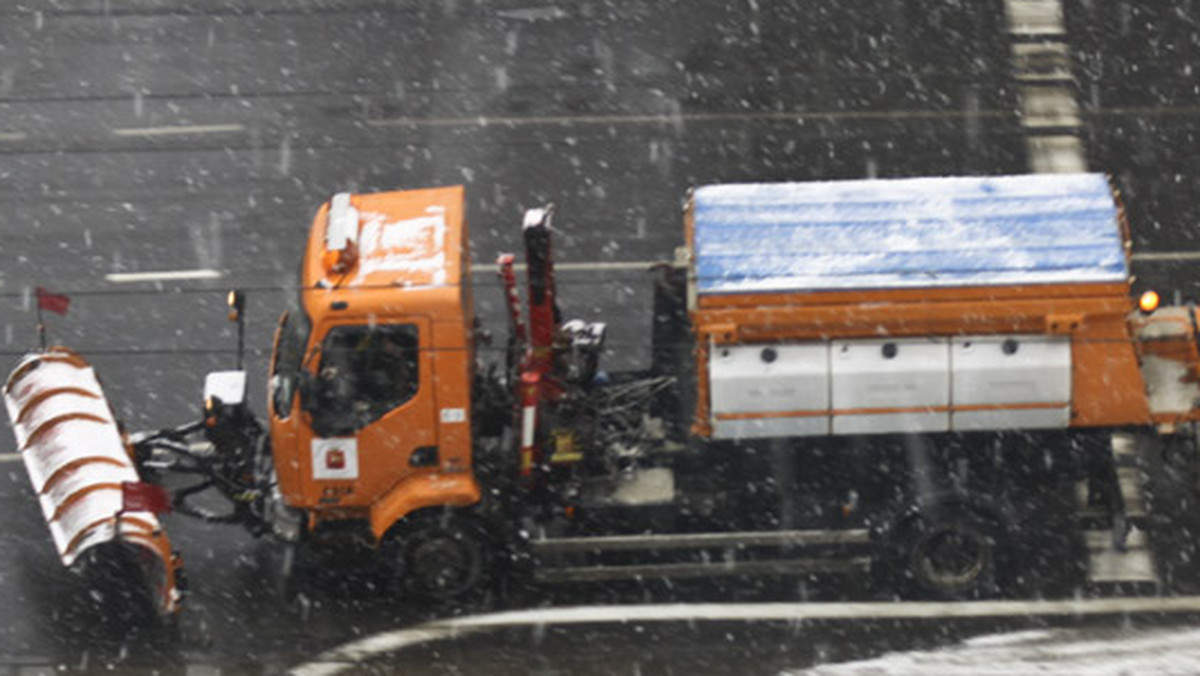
(77,460)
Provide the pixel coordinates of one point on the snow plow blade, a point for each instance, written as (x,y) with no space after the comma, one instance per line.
(79,464)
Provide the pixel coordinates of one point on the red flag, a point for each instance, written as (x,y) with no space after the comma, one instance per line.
(137,496)
(52,302)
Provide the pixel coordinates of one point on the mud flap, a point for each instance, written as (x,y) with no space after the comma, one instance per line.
(77,460)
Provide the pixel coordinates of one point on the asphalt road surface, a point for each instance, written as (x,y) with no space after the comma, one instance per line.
(143,136)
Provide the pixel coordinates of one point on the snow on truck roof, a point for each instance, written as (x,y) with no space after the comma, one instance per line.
(408,238)
(906,233)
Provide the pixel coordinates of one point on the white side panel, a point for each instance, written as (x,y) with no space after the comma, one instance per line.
(891,423)
(769,378)
(807,426)
(1011,370)
(1168,385)
(891,374)
(1030,419)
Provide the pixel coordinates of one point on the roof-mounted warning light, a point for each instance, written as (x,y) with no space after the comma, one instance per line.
(341,235)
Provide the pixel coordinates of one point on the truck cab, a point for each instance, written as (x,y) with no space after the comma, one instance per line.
(371,379)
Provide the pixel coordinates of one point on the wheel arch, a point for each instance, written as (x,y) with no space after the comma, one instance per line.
(418,494)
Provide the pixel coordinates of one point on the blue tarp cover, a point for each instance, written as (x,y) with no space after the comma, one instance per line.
(906,233)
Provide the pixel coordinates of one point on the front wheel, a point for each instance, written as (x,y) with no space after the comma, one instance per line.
(954,557)
(443,556)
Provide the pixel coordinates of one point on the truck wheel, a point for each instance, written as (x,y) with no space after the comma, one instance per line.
(954,557)
(441,557)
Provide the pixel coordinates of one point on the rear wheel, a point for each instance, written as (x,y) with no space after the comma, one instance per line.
(443,556)
(954,557)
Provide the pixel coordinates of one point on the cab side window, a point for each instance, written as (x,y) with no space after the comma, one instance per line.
(364,372)
(293,335)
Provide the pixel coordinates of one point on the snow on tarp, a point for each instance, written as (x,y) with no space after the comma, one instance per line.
(902,233)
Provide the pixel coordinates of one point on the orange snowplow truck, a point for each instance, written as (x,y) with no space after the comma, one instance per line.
(893,379)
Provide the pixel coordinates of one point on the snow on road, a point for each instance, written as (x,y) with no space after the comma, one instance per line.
(1065,652)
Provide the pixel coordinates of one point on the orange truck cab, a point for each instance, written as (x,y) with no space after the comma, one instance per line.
(370,390)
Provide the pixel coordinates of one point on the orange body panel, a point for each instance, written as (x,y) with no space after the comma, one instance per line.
(411,267)
(1106,380)
(420,491)
(989,294)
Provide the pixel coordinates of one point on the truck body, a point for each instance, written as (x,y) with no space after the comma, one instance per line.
(914,306)
(902,378)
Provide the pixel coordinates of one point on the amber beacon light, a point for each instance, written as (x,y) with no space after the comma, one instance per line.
(1148,302)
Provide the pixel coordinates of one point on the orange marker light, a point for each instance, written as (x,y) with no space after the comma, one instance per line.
(1148,302)
(338,261)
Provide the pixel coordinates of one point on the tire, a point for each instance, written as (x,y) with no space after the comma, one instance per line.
(954,557)
(441,557)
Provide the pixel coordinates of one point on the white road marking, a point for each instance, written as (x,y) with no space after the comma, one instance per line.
(348,656)
(162,276)
(783,116)
(181,130)
(533,14)
(1167,256)
(1095,651)
(665,118)
(12,136)
(9,457)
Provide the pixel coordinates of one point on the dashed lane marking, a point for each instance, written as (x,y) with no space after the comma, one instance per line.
(180,130)
(1167,256)
(670,118)
(163,276)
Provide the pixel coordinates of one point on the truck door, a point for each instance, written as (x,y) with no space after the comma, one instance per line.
(372,414)
(287,363)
